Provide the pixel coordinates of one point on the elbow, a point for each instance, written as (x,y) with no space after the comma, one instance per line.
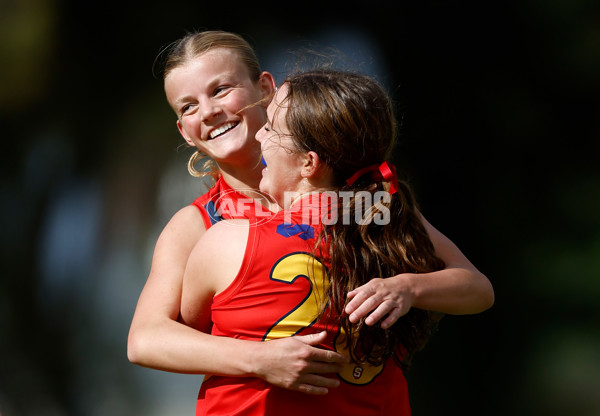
(135,349)
(491,299)
(478,296)
(486,296)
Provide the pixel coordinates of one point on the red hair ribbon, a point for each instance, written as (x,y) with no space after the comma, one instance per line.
(385,169)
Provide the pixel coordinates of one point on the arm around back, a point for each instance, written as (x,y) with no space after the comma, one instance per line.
(458,289)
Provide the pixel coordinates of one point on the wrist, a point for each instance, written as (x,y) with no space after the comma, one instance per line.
(408,284)
(252,359)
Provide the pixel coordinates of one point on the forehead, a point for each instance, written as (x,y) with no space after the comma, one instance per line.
(205,71)
(277,108)
(220,57)
(210,63)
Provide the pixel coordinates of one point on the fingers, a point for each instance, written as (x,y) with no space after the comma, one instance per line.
(299,365)
(357,297)
(328,356)
(305,388)
(379,300)
(387,310)
(321,365)
(320,356)
(370,294)
(365,307)
(377,311)
(323,356)
(312,339)
(318,385)
(393,316)
(324,368)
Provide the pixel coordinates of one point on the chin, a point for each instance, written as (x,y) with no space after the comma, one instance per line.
(262,187)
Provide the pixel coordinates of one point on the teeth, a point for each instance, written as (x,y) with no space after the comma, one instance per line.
(220,130)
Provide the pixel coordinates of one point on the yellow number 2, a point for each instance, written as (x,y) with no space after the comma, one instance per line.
(300,265)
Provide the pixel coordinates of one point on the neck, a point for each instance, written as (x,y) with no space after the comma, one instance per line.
(246,182)
(241,178)
(302,196)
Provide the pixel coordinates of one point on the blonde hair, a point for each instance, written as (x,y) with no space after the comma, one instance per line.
(209,167)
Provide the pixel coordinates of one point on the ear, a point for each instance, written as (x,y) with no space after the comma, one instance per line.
(184,134)
(313,166)
(266,83)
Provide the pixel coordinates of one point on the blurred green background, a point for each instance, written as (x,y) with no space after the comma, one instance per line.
(500,141)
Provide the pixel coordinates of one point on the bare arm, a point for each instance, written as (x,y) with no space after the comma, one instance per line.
(458,289)
(156,339)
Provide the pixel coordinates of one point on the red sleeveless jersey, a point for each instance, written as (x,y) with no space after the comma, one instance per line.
(222,202)
(277,293)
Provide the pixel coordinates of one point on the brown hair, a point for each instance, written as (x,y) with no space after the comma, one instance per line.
(195,44)
(348,120)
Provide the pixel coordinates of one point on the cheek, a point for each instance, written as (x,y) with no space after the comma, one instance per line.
(191,126)
(255,119)
(284,177)
(252,110)
(238,101)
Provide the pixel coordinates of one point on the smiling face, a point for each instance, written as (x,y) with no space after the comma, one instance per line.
(283,171)
(210,95)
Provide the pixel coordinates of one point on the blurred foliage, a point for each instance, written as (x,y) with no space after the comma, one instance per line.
(500,139)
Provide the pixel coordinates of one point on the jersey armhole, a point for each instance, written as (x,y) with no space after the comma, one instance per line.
(204,214)
(239,279)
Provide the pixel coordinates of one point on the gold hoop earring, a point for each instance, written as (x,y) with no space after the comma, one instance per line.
(195,158)
(209,168)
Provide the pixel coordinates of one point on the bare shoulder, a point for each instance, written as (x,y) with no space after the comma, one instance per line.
(222,247)
(225,239)
(236,228)
(182,231)
(187,219)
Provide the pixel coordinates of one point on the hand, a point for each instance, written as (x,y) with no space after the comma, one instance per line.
(294,363)
(380,297)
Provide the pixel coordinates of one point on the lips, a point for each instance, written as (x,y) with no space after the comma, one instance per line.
(221,130)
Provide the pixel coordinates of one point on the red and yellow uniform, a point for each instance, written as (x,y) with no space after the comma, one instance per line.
(277,293)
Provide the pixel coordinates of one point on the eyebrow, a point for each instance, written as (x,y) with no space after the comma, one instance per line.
(183,99)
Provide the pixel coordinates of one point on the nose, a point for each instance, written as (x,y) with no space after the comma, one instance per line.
(259,136)
(209,110)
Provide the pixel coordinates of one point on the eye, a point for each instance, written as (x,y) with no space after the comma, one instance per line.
(186,109)
(221,90)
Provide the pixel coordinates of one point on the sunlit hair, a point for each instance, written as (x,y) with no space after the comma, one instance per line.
(195,44)
(190,47)
(348,120)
